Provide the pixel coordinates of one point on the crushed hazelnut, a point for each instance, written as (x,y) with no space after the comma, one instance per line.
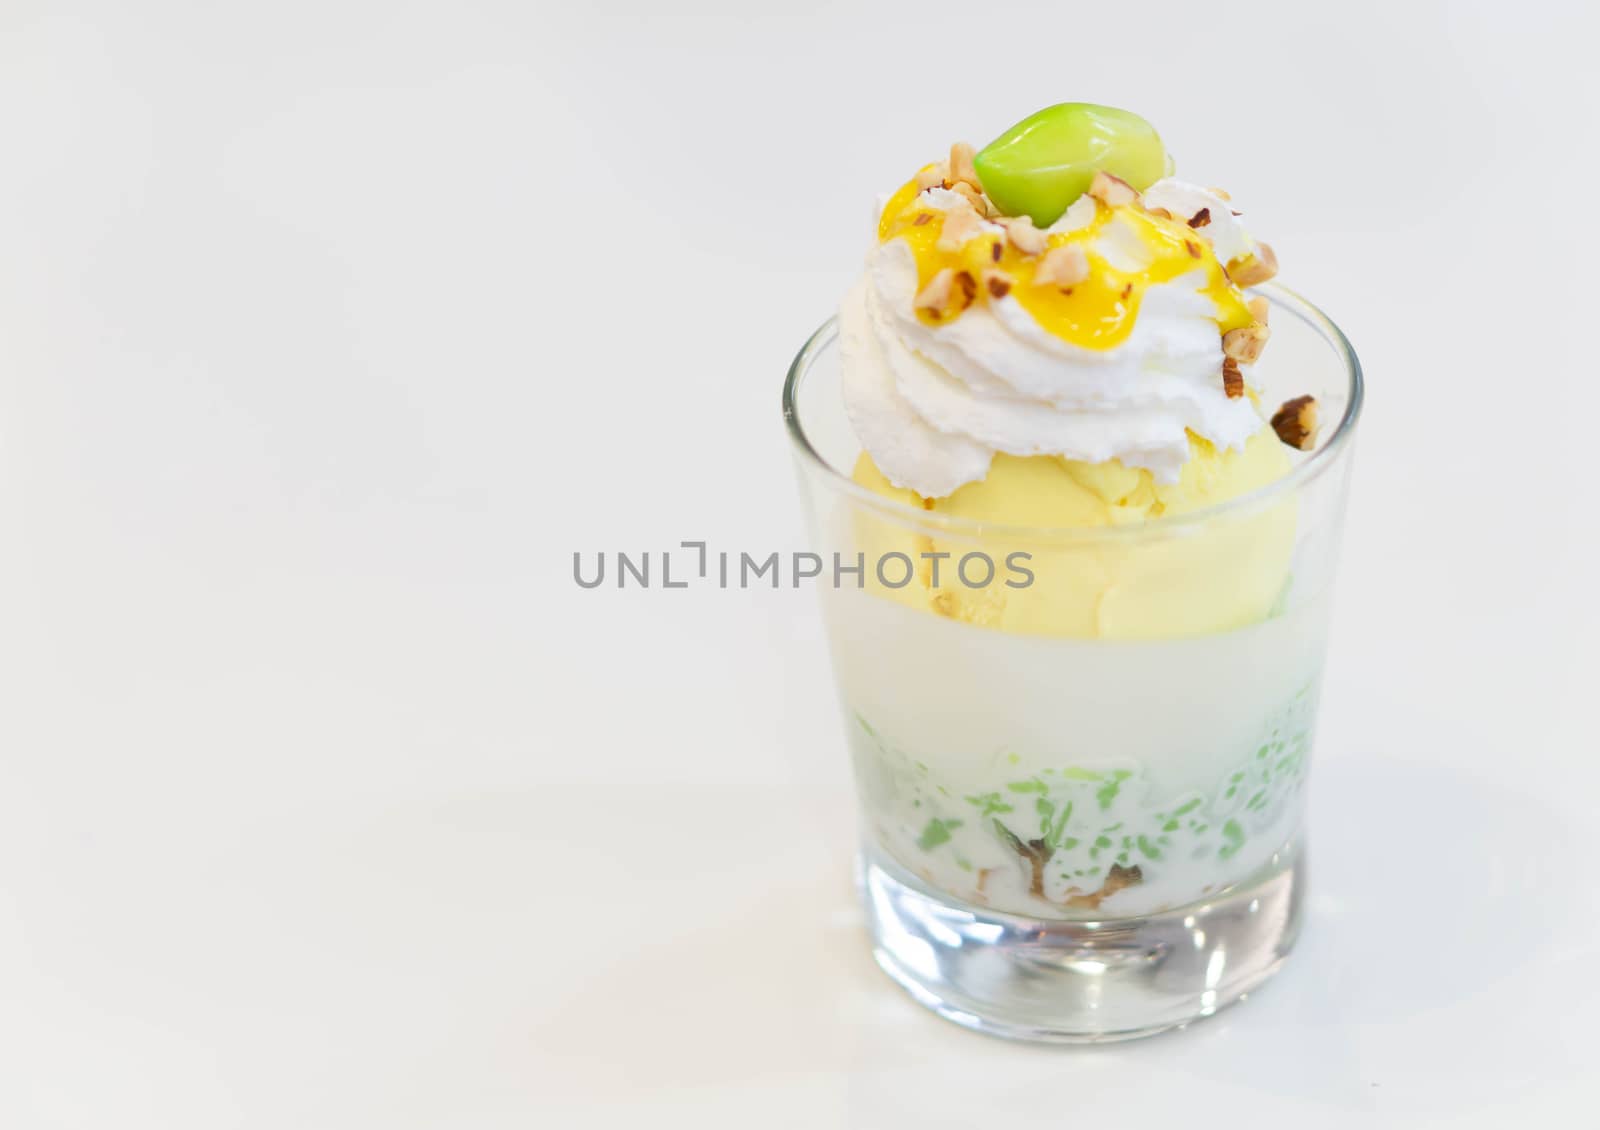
(947,294)
(1201,218)
(1112,190)
(1024,236)
(1232,379)
(1062,266)
(1258,268)
(962,170)
(934,176)
(1296,422)
(980,202)
(1160,212)
(960,225)
(1246,343)
(1220,192)
(1258,307)
(1192,248)
(997,283)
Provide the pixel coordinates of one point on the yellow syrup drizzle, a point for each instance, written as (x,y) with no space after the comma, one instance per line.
(1097,313)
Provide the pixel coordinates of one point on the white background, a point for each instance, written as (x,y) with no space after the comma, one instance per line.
(328,332)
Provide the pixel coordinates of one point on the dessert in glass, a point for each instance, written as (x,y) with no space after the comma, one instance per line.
(1079,526)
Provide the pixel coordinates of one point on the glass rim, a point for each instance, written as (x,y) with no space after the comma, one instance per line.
(1300,476)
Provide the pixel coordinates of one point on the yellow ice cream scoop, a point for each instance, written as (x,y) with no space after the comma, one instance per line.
(1201,576)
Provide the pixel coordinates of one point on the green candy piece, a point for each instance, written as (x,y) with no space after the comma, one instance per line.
(1042,164)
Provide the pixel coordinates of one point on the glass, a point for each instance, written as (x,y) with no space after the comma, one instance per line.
(1081,754)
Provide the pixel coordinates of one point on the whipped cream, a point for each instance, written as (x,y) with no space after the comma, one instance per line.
(1222,228)
(933,404)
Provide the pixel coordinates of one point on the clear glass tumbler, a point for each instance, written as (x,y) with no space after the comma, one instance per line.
(1081,754)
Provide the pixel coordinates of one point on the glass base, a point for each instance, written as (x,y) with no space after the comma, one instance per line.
(1081,982)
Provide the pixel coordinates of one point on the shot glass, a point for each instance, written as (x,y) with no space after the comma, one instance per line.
(1081,755)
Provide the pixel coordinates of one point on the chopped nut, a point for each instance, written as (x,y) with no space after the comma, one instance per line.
(960,225)
(947,294)
(962,170)
(1062,266)
(1114,191)
(1296,422)
(1192,248)
(1219,192)
(1246,343)
(933,296)
(921,218)
(1232,379)
(934,176)
(997,283)
(1160,212)
(978,200)
(1024,236)
(1258,268)
(1258,308)
(996,249)
(1201,218)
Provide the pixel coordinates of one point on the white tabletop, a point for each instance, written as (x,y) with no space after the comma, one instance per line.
(328,333)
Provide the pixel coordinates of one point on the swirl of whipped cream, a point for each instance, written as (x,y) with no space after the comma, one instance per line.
(932,404)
